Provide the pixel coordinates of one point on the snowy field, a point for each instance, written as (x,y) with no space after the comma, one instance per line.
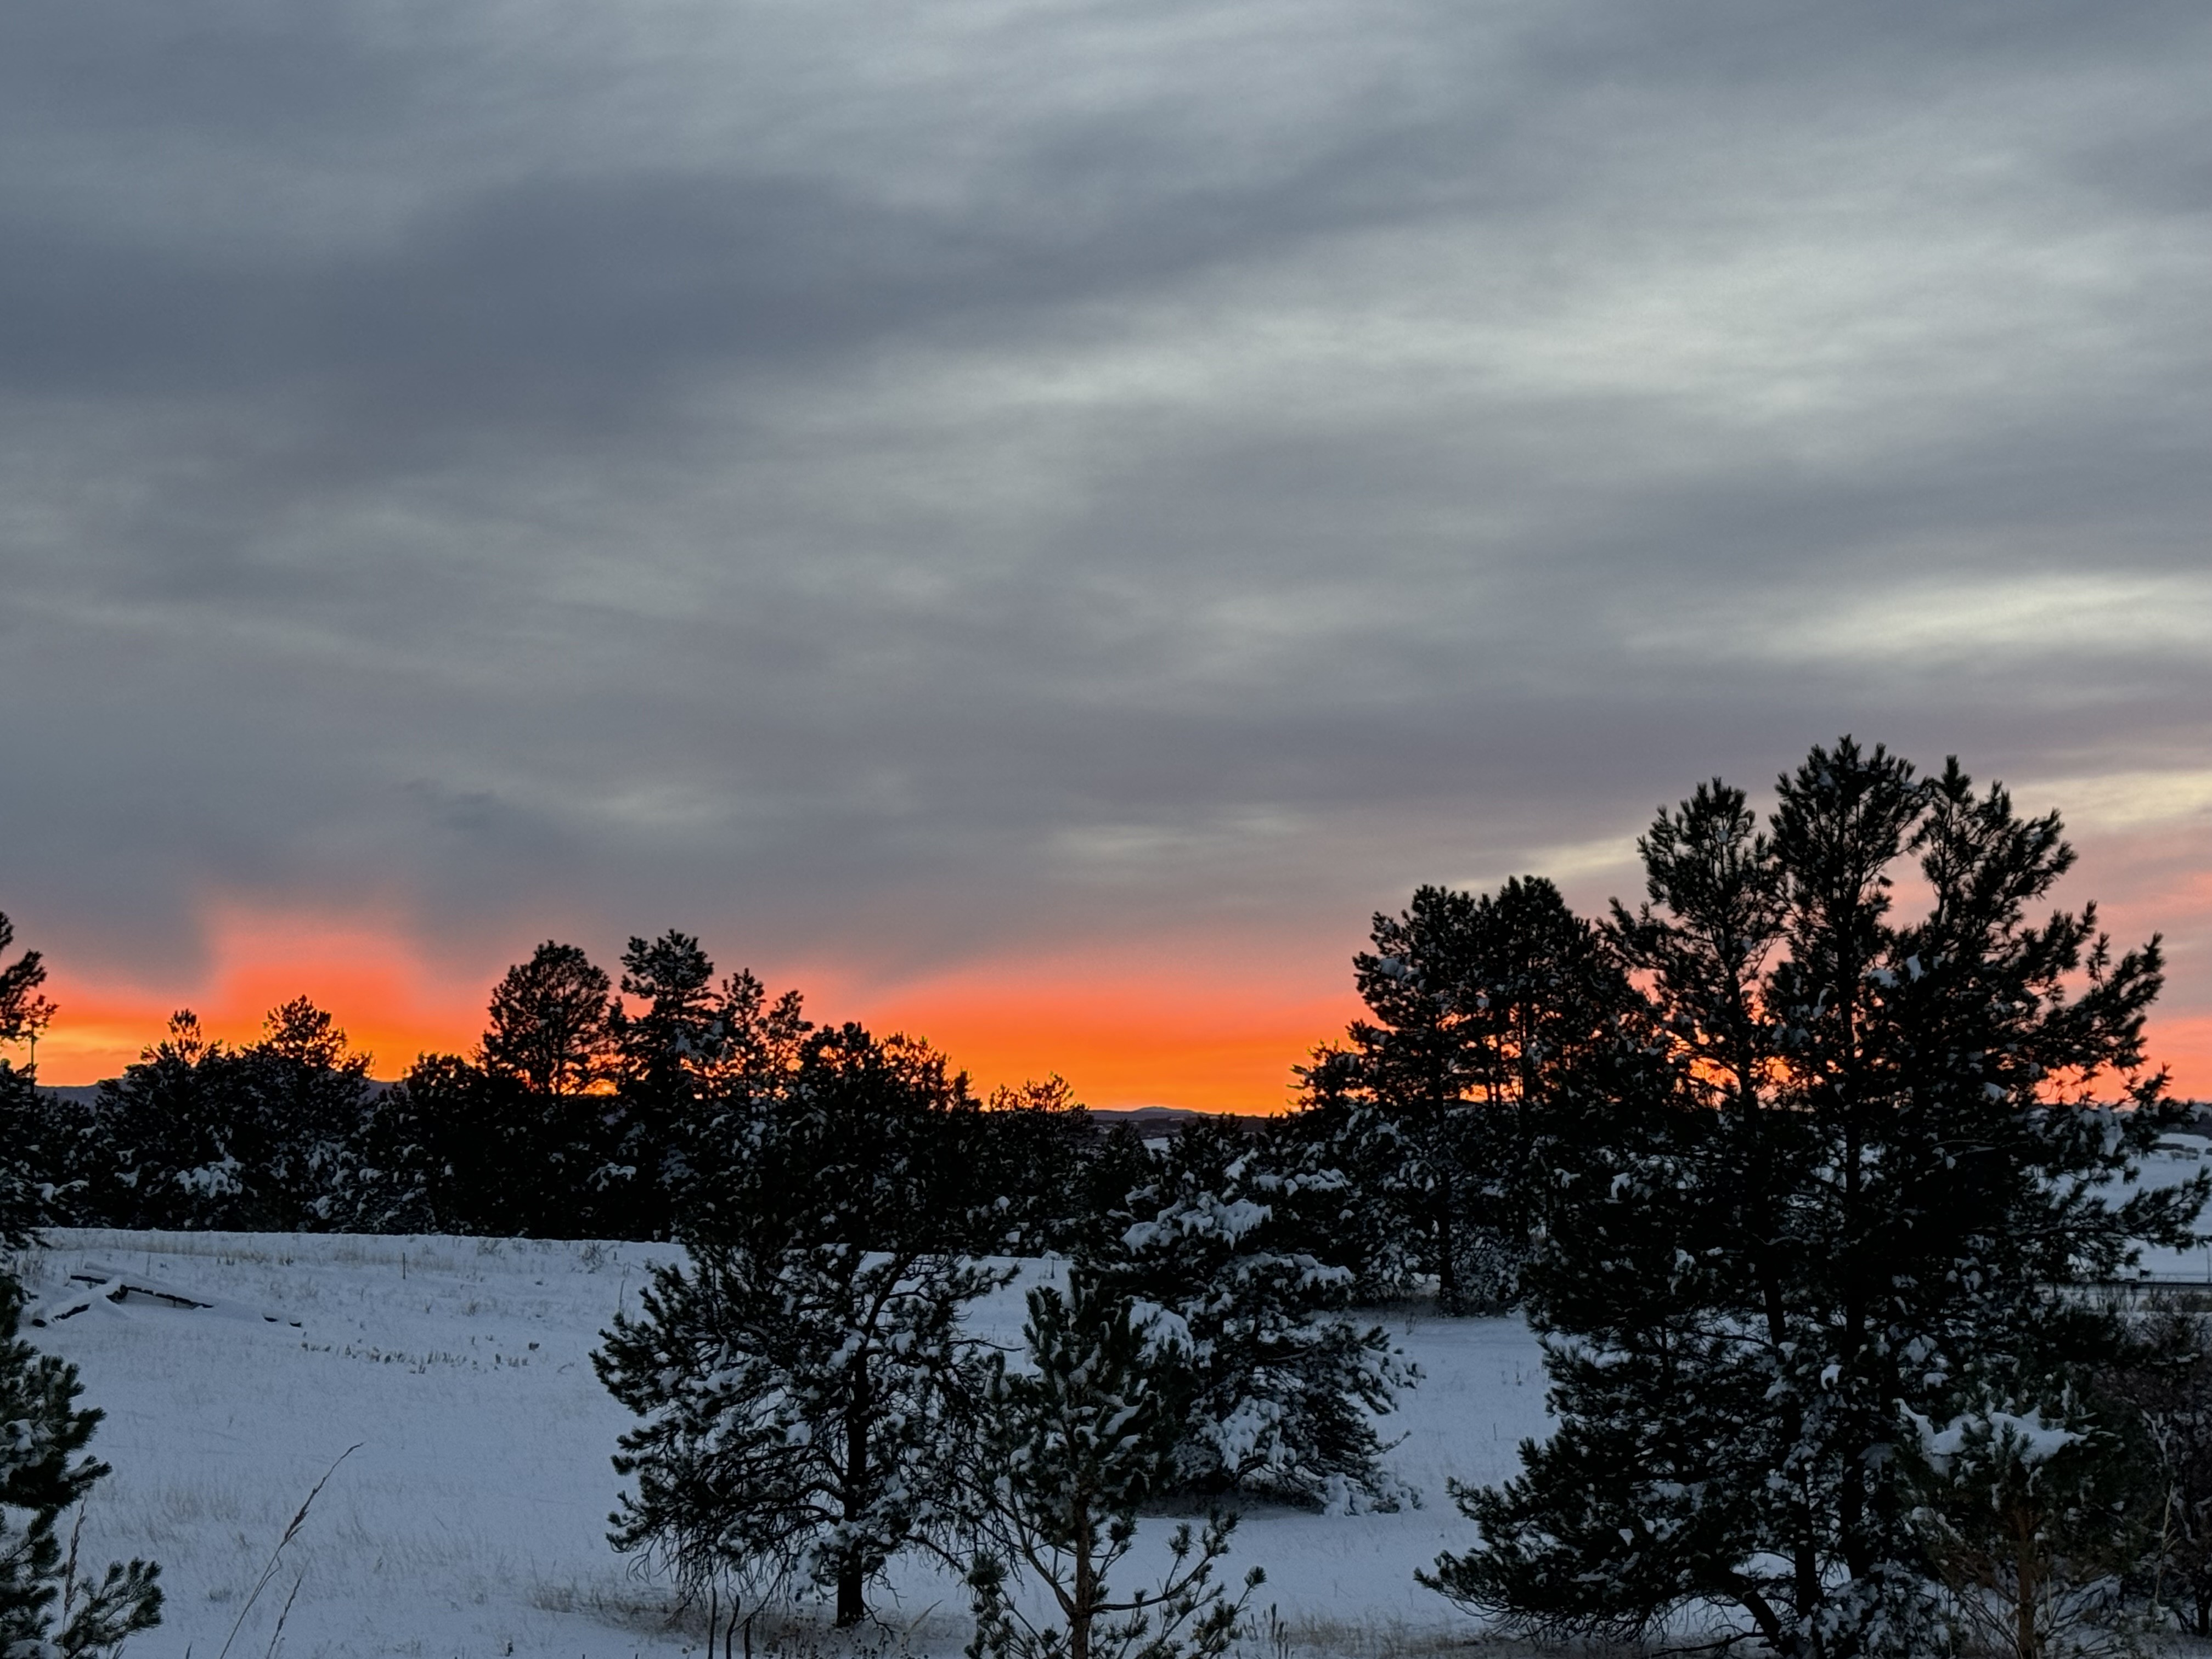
(471,1520)
(2179,1158)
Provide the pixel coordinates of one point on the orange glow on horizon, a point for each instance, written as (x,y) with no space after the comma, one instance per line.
(378,987)
(1122,1038)
(1123,1033)
(1214,1023)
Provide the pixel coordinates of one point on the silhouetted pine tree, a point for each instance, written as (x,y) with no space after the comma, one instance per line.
(666,1054)
(1433,1109)
(263,1137)
(304,1093)
(504,1146)
(24,1009)
(26,1158)
(184,1153)
(1028,1169)
(761,1044)
(1840,1185)
(453,1148)
(548,1027)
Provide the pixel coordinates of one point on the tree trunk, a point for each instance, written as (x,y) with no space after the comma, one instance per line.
(851,1607)
(1448,1293)
(1086,1587)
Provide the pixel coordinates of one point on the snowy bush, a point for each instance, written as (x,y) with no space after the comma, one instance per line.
(2033,1516)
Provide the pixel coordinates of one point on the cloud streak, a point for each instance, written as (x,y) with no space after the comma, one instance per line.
(921,492)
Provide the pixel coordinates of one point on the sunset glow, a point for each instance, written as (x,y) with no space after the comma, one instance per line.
(1123,1034)
(1217,1027)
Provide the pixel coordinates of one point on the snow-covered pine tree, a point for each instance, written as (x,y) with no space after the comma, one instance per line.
(1841,1183)
(42,1475)
(799,1413)
(2035,1517)
(800,1378)
(454,1148)
(263,1137)
(1281,1387)
(1069,1445)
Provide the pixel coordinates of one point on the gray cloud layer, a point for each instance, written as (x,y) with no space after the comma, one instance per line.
(906,482)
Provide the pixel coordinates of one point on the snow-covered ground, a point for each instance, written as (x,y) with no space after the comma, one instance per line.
(471,1519)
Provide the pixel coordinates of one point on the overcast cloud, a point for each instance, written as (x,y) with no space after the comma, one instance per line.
(908,483)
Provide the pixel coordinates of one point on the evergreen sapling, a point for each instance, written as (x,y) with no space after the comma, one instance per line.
(1072,1443)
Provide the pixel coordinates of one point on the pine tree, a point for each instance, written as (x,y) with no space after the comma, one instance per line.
(1279,1386)
(1838,1182)
(183,1152)
(801,1380)
(1028,1170)
(760,1047)
(24,1009)
(1071,1446)
(22,1202)
(1401,1094)
(516,1138)
(42,1475)
(2165,1381)
(454,1148)
(799,1413)
(304,1093)
(1481,1005)
(548,1024)
(24,1173)
(263,1138)
(666,1054)
(2034,1517)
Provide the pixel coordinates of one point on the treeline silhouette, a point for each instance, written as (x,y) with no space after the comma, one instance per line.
(577,1116)
(630,1107)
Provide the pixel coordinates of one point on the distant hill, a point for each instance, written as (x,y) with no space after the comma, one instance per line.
(1165,1123)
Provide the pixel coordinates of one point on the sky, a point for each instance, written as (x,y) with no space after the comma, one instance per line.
(1032,521)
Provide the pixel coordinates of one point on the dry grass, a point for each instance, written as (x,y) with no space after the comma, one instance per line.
(1319,1638)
